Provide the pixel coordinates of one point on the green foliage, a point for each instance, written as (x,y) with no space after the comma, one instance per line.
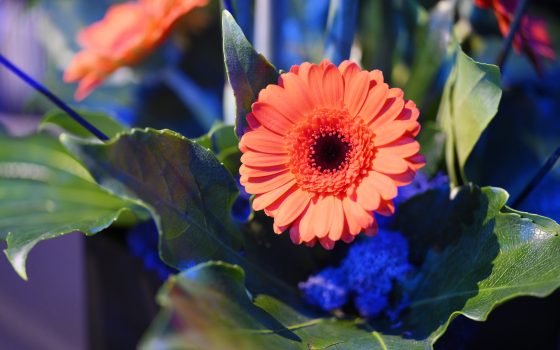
(476,255)
(432,40)
(248,72)
(432,142)
(221,140)
(208,307)
(473,254)
(45,193)
(470,100)
(188,192)
(106,124)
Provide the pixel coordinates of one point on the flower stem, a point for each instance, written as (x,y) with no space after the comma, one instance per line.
(550,162)
(57,101)
(508,42)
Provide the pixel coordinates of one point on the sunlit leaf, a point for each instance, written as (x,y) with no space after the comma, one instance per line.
(470,100)
(476,255)
(208,307)
(248,72)
(105,123)
(45,193)
(187,190)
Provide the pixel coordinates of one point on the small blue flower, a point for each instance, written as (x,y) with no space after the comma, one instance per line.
(368,273)
(142,240)
(327,290)
(241,209)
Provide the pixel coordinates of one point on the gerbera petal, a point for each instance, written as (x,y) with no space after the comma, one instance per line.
(416,162)
(333,86)
(315,83)
(389,132)
(247,171)
(374,102)
(355,212)
(263,200)
(292,207)
(323,215)
(388,163)
(263,141)
(356,88)
(391,109)
(271,118)
(367,194)
(387,208)
(258,159)
(252,122)
(257,185)
(403,147)
(327,243)
(295,235)
(277,96)
(337,225)
(306,227)
(297,92)
(383,184)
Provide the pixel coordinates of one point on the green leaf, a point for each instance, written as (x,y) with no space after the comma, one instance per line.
(248,72)
(106,124)
(432,36)
(432,144)
(477,254)
(208,307)
(221,139)
(45,193)
(470,100)
(188,192)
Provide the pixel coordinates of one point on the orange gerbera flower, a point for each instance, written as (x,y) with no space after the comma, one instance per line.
(126,34)
(326,148)
(532,36)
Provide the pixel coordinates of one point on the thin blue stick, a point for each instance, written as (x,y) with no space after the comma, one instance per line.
(57,101)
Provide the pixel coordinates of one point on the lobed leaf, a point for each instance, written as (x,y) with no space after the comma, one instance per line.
(45,193)
(480,255)
(473,253)
(208,307)
(188,192)
(470,100)
(248,72)
(105,123)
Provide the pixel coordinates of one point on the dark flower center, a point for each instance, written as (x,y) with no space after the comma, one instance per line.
(330,152)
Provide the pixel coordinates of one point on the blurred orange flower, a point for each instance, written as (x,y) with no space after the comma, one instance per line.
(128,32)
(532,36)
(326,148)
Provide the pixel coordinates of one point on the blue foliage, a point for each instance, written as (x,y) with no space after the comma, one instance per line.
(327,290)
(241,210)
(368,273)
(421,183)
(142,240)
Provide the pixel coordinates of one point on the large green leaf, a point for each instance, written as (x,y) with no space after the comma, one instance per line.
(221,139)
(105,123)
(473,254)
(187,190)
(469,102)
(208,307)
(45,193)
(476,255)
(248,71)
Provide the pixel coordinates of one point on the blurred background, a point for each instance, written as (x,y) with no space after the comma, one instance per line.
(79,293)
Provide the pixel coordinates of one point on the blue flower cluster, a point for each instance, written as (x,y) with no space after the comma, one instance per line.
(142,240)
(241,210)
(366,275)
